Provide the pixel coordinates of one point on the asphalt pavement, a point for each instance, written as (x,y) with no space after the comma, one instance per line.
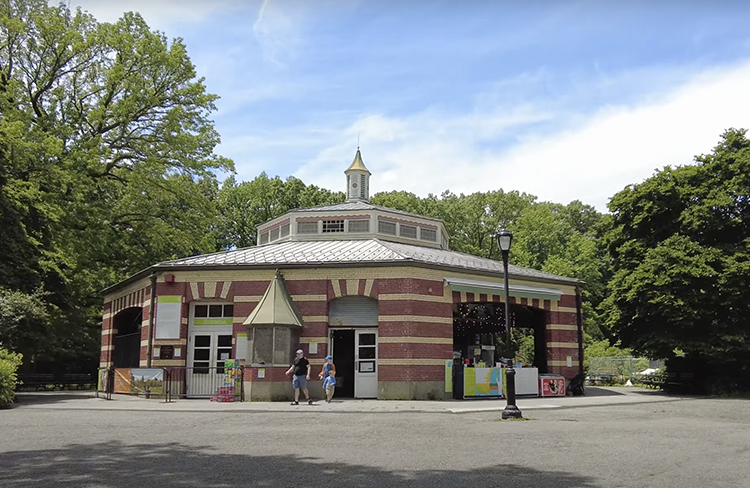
(613,437)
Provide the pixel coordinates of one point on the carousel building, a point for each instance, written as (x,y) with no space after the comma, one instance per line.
(378,289)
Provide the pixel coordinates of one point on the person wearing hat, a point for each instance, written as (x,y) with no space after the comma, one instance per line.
(325,373)
(327,367)
(300,370)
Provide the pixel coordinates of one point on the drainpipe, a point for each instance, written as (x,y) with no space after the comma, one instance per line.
(151,310)
(579,323)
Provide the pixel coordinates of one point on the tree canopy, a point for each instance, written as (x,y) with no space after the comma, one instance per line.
(106,159)
(680,250)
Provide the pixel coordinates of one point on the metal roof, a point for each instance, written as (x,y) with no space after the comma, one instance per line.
(355,252)
(359,205)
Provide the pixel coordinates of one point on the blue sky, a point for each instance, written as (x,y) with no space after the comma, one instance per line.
(564,100)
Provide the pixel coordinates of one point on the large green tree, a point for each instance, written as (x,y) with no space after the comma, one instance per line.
(106,157)
(680,250)
(244,206)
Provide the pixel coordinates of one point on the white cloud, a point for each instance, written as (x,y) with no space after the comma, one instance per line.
(278,30)
(430,152)
(158,14)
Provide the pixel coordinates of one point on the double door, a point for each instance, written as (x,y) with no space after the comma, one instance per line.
(206,357)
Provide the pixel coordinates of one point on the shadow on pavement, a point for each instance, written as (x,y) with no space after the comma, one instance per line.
(117,465)
(596,391)
(36,398)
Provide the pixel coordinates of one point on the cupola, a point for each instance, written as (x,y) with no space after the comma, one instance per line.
(357,180)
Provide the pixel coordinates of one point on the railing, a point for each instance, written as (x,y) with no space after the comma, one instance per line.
(217,383)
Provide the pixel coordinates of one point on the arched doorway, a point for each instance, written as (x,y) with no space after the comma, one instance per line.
(353,323)
(127,341)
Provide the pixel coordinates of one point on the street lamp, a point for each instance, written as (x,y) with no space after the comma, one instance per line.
(504,240)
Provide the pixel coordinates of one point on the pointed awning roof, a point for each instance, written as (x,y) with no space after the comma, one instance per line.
(357,164)
(276,307)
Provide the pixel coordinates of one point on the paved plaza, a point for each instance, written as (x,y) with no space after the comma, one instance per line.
(613,437)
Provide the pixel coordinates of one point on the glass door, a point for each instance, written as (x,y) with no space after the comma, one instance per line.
(366,363)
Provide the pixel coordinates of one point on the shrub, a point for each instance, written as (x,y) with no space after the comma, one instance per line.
(9,363)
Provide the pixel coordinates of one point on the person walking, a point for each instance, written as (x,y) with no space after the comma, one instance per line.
(329,385)
(300,371)
(328,366)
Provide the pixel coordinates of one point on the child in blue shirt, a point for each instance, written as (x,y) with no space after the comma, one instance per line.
(330,384)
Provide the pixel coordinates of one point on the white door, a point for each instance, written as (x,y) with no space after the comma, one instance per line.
(208,352)
(366,363)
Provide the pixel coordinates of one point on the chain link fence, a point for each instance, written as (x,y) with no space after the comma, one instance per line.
(618,370)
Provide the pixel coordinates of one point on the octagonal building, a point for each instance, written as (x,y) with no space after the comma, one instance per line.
(377,288)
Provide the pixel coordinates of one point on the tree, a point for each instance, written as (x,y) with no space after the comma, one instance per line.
(106,157)
(244,206)
(680,250)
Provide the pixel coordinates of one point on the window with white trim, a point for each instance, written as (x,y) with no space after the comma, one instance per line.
(359,226)
(333,226)
(307,227)
(408,231)
(428,234)
(385,227)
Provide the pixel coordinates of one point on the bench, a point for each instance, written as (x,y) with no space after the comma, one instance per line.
(679,381)
(36,381)
(76,381)
(600,378)
(41,382)
(654,380)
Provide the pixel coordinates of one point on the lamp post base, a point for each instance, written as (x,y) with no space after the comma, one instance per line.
(511,412)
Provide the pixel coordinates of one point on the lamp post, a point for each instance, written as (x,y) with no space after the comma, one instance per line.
(504,240)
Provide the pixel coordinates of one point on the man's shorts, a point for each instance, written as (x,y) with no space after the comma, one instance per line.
(299,381)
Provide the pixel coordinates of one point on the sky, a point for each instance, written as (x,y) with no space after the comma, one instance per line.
(564,100)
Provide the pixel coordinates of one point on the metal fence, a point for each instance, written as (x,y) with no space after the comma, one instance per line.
(216,383)
(614,370)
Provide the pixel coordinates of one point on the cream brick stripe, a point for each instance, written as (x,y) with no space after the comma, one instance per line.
(562,345)
(412,297)
(109,332)
(167,362)
(194,290)
(567,309)
(296,298)
(184,320)
(561,327)
(415,340)
(411,362)
(108,348)
(169,342)
(107,315)
(315,318)
(247,298)
(415,318)
(368,287)
(352,287)
(556,362)
(318,340)
(225,289)
(336,288)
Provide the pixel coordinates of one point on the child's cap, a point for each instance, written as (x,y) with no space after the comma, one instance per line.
(329,357)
